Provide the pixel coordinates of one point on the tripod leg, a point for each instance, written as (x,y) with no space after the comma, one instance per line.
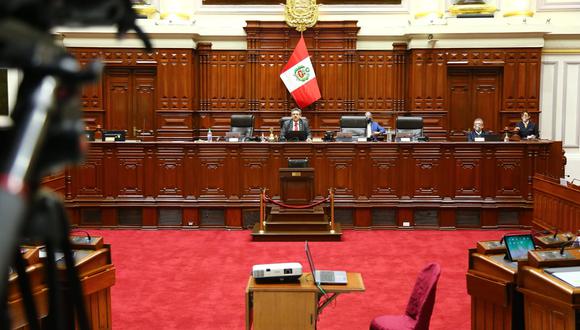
(26,292)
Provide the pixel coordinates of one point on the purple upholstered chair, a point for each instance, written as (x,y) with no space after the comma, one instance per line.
(420,306)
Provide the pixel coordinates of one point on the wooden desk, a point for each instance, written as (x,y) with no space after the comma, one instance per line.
(549,303)
(491,283)
(291,306)
(97,276)
(555,206)
(188,184)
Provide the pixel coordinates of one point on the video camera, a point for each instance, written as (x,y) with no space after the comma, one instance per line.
(46,133)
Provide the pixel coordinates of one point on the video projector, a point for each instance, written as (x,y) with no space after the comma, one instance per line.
(277,273)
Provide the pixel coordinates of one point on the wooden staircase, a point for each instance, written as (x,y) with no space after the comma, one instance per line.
(297,225)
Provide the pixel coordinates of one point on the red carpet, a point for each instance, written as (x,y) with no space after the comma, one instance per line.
(197,279)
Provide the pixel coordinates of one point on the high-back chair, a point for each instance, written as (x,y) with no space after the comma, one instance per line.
(355,125)
(242,124)
(411,127)
(420,306)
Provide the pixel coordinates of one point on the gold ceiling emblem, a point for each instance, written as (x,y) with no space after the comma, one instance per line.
(301,14)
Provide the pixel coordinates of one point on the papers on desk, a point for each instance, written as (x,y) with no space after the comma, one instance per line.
(570,275)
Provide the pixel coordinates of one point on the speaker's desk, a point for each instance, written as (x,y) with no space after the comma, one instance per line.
(291,305)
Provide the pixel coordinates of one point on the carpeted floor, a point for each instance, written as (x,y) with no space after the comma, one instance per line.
(197,279)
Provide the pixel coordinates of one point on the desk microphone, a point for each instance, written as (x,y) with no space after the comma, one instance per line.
(566,243)
(555,234)
(88,236)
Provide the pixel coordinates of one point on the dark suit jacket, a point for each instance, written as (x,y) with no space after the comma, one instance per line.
(524,131)
(472,135)
(289,126)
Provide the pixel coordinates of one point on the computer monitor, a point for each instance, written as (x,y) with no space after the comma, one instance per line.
(517,246)
(298,163)
(114,135)
(295,136)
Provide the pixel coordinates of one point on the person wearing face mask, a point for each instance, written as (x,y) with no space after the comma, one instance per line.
(478,131)
(526,129)
(373,128)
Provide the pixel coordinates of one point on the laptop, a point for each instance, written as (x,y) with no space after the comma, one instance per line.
(335,277)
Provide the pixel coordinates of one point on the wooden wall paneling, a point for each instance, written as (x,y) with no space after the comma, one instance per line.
(361,174)
(118,98)
(427,172)
(469,174)
(428,80)
(510,183)
(89,176)
(191,217)
(461,113)
(212,171)
(486,97)
(175,94)
(488,218)
(109,216)
(400,86)
(447,218)
(226,84)
(362,217)
(143,107)
(150,218)
(488,166)
(233,217)
(376,79)
(174,79)
(190,174)
(110,166)
(257,174)
(406,170)
(169,180)
(365,175)
(341,170)
(384,179)
(203,55)
(269,93)
(131,172)
(521,80)
(404,214)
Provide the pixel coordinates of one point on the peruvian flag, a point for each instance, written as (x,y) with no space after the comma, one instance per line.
(298,76)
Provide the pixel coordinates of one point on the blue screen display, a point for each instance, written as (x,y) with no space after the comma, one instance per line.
(518,246)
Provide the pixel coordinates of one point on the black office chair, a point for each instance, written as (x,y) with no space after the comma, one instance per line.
(355,125)
(242,125)
(409,127)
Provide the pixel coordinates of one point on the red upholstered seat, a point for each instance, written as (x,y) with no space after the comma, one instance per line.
(420,306)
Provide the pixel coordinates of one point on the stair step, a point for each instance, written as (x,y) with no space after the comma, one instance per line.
(297,235)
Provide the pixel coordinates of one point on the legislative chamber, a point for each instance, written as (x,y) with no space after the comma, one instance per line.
(306,120)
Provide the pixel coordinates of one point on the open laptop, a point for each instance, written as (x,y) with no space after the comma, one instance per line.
(324,276)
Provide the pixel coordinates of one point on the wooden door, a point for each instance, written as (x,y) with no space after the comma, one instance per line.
(473,93)
(129,99)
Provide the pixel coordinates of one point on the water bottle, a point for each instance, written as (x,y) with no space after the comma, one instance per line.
(209,135)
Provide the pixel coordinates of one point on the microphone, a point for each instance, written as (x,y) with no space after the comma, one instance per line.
(87,238)
(555,234)
(573,180)
(566,243)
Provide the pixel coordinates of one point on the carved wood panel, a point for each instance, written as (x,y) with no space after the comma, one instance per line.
(118,99)
(170,180)
(384,176)
(89,177)
(226,84)
(376,81)
(131,173)
(467,176)
(174,80)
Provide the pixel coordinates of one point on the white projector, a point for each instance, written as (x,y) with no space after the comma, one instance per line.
(276,273)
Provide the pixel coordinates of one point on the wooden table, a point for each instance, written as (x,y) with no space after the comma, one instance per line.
(292,305)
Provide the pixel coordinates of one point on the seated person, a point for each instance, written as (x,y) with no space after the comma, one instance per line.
(296,124)
(373,128)
(477,130)
(526,129)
